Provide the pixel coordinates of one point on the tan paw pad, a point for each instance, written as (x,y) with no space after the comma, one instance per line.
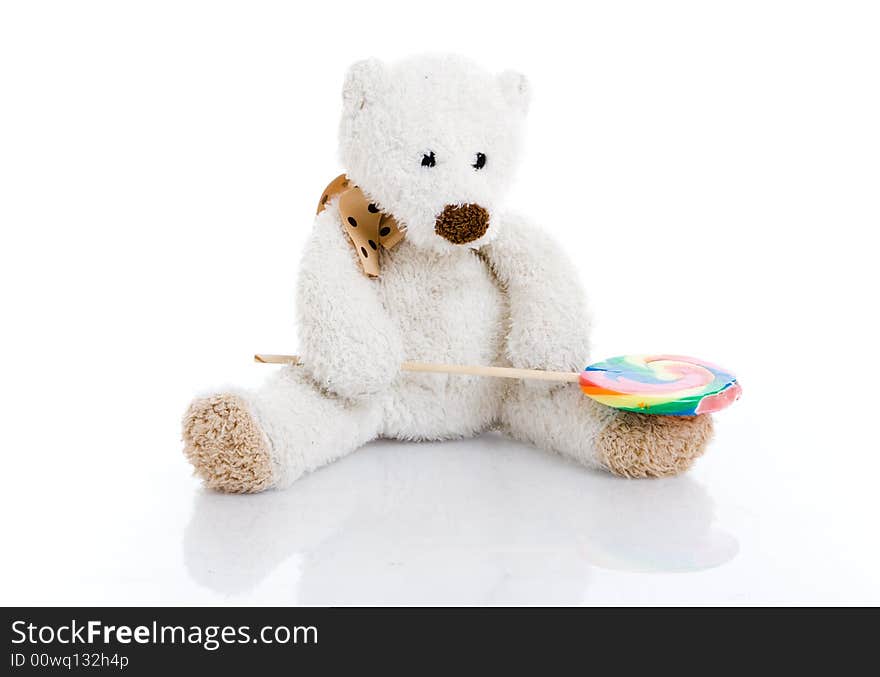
(641,445)
(226,446)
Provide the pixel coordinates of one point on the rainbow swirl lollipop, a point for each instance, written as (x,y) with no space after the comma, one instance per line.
(669,385)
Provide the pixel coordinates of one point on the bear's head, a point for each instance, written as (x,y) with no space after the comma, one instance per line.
(434,142)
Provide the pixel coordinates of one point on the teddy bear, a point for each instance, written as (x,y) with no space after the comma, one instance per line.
(414,256)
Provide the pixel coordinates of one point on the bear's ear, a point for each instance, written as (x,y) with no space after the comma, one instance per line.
(516,90)
(363,82)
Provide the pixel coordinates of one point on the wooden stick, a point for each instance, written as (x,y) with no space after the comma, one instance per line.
(470,370)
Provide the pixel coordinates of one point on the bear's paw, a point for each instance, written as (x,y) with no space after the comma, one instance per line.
(226,445)
(642,445)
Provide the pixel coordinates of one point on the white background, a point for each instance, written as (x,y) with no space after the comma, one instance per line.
(712,167)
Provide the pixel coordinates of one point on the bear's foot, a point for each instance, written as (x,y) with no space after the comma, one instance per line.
(227,447)
(641,445)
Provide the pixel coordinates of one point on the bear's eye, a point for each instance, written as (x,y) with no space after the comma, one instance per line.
(481,161)
(428,159)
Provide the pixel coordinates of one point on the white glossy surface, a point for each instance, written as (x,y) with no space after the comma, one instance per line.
(474,521)
(158,173)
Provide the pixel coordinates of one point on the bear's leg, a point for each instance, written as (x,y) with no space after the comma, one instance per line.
(245,442)
(564,420)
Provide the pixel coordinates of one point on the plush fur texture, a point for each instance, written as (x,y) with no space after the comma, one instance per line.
(394,115)
(226,446)
(633,445)
(462,224)
(506,296)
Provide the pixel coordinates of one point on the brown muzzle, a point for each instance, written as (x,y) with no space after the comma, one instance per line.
(462,223)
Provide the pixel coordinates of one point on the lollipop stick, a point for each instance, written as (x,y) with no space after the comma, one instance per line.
(470,370)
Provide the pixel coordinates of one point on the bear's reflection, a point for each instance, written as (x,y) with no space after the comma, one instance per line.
(479,520)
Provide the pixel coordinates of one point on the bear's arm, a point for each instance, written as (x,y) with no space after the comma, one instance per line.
(347,340)
(549,317)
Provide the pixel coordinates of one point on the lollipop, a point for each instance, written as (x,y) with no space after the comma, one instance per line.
(666,385)
(669,385)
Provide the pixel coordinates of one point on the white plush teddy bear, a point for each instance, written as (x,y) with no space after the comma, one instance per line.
(431,145)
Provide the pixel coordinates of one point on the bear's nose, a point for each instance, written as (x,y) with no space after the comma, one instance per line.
(462,223)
